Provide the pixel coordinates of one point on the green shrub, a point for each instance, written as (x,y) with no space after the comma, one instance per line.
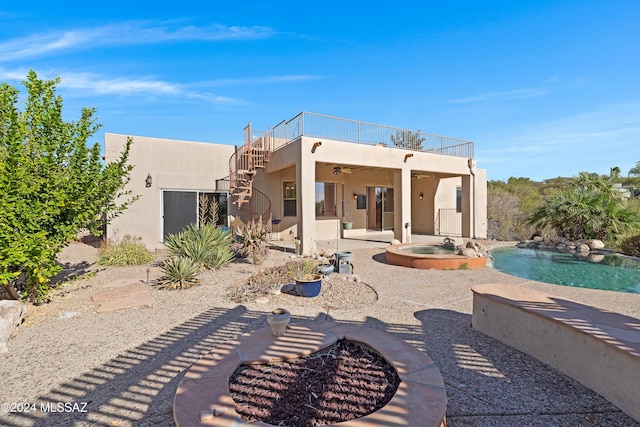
(207,245)
(128,251)
(631,246)
(179,273)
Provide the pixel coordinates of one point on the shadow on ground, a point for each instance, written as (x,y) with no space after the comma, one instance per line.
(487,383)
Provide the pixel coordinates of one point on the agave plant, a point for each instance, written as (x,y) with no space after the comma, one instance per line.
(179,273)
(208,246)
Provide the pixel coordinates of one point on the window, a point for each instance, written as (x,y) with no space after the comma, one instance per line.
(325,198)
(289,195)
(458,199)
(184,208)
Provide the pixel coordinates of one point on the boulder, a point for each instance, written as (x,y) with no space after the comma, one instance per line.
(469,253)
(478,247)
(395,242)
(452,242)
(538,239)
(582,248)
(595,244)
(12,314)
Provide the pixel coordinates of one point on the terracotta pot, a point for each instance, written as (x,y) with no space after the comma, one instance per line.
(278,319)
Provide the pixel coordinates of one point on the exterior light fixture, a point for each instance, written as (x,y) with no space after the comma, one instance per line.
(317,144)
(355,196)
(421,196)
(148,181)
(406,156)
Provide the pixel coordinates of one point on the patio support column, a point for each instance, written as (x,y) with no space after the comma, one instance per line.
(467,206)
(306,182)
(402,204)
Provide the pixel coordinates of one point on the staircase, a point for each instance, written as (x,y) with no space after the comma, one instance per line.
(243,165)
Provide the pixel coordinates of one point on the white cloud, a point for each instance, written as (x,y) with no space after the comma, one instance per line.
(590,141)
(503,96)
(95,84)
(128,33)
(261,80)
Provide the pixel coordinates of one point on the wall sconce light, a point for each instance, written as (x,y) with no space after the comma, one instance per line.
(317,144)
(148,181)
(355,196)
(421,196)
(406,156)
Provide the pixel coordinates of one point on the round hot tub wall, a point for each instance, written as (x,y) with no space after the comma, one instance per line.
(406,255)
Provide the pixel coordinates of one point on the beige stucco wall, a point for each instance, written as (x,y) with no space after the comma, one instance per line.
(173,165)
(185,165)
(372,166)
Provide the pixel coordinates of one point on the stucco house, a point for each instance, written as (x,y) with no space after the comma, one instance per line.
(308,176)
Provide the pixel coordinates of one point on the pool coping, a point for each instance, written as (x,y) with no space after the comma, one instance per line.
(395,255)
(203,398)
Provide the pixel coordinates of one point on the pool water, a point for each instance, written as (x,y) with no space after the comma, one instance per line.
(429,250)
(608,272)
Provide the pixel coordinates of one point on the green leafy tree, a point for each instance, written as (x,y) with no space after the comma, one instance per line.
(635,170)
(53,184)
(587,209)
(508,207)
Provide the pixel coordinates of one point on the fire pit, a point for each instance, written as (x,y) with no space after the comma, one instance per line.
(203,397)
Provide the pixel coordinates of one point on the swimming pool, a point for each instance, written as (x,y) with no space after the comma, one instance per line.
(595,271)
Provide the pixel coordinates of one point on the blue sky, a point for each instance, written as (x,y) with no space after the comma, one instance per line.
(544,88)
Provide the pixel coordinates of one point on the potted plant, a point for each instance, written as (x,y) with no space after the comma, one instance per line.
(308,280)
(346,220)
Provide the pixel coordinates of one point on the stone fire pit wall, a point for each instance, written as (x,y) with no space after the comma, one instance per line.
(203,398)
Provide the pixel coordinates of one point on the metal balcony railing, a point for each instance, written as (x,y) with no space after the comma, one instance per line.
(321,126)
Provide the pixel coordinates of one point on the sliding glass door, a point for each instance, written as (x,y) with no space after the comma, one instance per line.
(380,215)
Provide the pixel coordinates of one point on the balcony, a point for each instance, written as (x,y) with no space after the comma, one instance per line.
(320,126)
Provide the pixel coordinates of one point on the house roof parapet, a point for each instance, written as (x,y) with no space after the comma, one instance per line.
(340,129)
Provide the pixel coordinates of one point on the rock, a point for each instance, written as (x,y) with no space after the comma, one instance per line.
(68,315)
(538,239)
(11,316)
(582,248)
(469,253)
(395,242)
(479,248)
(453,242)
(595,244)
(595,258)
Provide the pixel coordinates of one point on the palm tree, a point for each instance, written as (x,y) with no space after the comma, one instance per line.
(588,209)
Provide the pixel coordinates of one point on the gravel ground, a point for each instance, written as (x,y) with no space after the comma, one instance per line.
(72,366)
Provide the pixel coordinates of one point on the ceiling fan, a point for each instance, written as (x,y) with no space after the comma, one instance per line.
(418,176)
(337,170)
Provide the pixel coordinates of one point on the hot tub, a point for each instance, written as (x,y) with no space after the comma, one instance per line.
(437,257)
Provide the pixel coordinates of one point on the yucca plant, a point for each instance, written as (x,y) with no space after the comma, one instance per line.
(219,257)
(207,245)
(179,273)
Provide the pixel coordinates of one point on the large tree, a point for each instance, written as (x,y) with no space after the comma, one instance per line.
(53,184)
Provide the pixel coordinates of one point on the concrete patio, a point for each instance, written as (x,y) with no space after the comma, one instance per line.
(487,383)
